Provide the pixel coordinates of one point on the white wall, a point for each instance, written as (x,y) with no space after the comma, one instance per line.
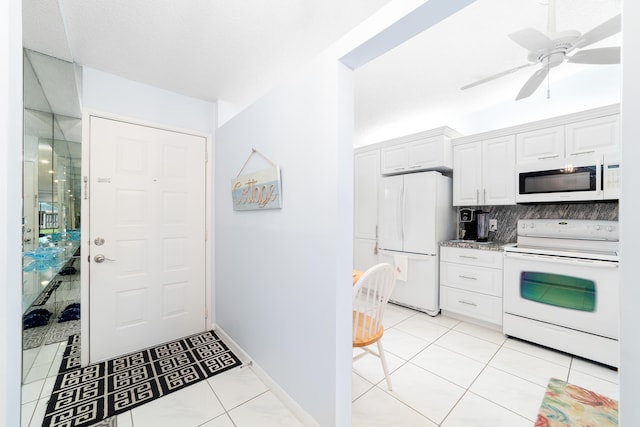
(629,208)
(566,96)
(109,93)
(283,277)
(10,214)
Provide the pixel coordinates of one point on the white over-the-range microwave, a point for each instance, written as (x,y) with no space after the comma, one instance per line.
(579,178)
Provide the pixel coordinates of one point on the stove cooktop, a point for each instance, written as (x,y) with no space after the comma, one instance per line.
(588,239)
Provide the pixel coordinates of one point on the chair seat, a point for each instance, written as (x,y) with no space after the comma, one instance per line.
(369,337)
(370,295)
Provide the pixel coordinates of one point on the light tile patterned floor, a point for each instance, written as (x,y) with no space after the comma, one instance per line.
(455,374)
(445,373)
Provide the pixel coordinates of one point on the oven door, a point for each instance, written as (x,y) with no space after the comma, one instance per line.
(580,294)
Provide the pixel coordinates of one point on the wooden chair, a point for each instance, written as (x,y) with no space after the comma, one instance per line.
(370,295)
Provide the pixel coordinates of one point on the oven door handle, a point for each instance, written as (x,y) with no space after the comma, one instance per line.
(563,260)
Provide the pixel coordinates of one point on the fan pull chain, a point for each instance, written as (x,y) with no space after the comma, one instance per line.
(548,86)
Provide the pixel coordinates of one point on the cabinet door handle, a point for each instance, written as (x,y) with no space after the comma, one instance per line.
(468,256)
(477,195)
(484,195)
(473,304)
(548,157)
(582,152)
(467,277)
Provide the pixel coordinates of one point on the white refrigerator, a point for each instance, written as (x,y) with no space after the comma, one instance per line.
(415,214)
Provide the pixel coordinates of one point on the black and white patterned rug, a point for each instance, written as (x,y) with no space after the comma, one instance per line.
(84,396)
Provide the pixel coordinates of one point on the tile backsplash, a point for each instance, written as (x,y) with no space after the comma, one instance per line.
(508,216)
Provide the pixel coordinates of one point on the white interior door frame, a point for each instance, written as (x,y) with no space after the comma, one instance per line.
(85,217)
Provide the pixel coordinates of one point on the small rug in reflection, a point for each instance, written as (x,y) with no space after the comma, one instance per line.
(85,396)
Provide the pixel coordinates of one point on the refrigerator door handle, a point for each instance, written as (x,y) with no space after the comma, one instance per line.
(404,211)
(400,215)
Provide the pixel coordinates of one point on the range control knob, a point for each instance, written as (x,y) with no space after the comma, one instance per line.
(610,228)
(532,225)
(598,227)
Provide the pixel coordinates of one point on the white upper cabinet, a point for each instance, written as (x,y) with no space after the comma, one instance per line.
(467,173)
(484,172)
(593,136)
(540,144)
(429,153)
(499,171)
(366,176)
(394,159)
(429,150)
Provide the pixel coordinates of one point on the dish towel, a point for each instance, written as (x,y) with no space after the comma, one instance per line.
(402,267)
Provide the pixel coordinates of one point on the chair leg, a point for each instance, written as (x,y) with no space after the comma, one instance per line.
(383,359)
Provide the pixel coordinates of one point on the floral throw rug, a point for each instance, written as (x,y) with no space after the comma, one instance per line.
(567,405)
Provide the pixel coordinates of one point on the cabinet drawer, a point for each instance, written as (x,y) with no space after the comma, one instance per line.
(472,278)
(482,307)
(479,257)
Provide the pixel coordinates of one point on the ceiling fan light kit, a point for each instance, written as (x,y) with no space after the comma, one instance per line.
(554,48)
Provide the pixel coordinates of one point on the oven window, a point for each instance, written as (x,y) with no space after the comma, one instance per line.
(558,290)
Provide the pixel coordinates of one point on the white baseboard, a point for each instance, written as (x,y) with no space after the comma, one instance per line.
(278,391)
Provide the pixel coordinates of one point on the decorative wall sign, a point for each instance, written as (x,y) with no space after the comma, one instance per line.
(257,190)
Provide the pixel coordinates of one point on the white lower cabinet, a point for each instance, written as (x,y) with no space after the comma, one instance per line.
(471,304)
(471,283)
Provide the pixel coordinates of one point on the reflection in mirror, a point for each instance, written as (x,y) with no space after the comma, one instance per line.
(51,213)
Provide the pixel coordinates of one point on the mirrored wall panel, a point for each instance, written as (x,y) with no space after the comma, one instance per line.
(51,209)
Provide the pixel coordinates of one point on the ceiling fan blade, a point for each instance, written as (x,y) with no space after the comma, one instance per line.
(601,32)
(531,39)
(495,76)
(532,84)
(603,55)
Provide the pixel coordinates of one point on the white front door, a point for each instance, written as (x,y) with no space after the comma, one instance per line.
(147,237)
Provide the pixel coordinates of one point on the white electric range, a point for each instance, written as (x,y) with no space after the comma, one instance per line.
(562,287)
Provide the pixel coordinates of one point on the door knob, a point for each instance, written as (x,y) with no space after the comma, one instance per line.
(101,258)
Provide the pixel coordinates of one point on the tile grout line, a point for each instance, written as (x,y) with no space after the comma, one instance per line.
(449,329)
(468,390)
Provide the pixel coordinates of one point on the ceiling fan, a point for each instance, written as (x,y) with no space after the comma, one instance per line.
(553,48)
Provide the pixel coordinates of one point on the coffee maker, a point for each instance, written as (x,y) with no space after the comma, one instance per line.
(468,224)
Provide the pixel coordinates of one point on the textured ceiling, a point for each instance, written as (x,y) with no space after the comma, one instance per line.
(229,50)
